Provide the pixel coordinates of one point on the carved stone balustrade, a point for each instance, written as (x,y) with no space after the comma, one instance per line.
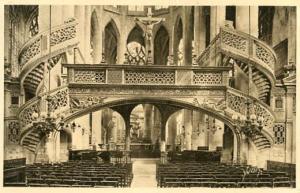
(59,103)
(147,75)
(241,46)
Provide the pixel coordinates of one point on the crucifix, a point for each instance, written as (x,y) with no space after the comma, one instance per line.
(148,23)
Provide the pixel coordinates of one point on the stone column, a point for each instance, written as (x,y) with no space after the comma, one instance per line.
(228,146)
(57,147)
(289,142)
(68,12)
(156,128)
(188,125)
(247,19)
(122,42)
(79,15)
(96,128)
(187,37)
(292,35)
(56,15)
(87,34)
(199,31)
(236,157)
(148,116)
(217,20)
(44,17)
(172,131)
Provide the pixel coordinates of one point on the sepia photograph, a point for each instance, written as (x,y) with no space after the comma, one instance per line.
(149,96)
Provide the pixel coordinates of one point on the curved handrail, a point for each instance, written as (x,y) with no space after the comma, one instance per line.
(238,100)
(63,37)
(26,110)
(246,47)
(38,37)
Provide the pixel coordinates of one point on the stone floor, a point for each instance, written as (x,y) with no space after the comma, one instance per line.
(144,173)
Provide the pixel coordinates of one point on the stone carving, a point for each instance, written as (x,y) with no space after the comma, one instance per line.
(30,51)
(147,92)
(264,55)
(26,115)
(149,77)
(237,103)
(279,133)
(62,35)
(89,76)
(58,100)
(13,132)
(234,41)
(203,78)
(85,101)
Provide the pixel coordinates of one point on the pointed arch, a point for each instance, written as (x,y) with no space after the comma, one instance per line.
(161,46)
(178,34)
(136,35)
(111,39)
(136,46)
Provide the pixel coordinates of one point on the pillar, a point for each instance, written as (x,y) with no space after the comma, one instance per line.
(228,152)
(289,142)
(80,17)
(188,125)
(199,30)
(44,17)
(68,12)
(157,125)
(96,128)
(122,44)
(148,123)
(236,154)
(292,35)
(56,15)
(187,37)
(217,20)
(87,34)
(172,131)
(247,19)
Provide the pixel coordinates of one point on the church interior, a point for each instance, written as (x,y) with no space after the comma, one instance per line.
(149,96)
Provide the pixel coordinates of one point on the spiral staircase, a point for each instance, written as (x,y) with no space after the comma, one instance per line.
(235,48)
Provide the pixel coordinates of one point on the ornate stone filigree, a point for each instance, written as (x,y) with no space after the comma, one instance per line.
(85,101)
(204,78)
(13,132)
(237,103)
(26,115)
(62,35)
(264,55)
(149,77)
(30,51)
(234,41)
(58,100)
(89,76)
(279,133)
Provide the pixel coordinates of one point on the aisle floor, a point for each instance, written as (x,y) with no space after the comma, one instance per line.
(144,173)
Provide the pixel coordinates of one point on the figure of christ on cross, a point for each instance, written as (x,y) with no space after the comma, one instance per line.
(148,23)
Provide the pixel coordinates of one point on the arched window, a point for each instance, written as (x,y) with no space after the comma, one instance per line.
(34,25)
(136,47)
(161,46)
(111,42)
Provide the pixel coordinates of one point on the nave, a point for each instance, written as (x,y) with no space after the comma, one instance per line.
(148,172)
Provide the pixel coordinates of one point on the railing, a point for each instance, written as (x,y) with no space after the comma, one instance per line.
(243,46)
(59,103)
(147,75)
(38,46)
(236,102)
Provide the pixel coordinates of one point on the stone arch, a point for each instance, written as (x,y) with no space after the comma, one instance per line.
(161,46)
(111,41)
(136,34)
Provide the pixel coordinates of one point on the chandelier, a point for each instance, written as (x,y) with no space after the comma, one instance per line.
(45,122)
(210,126)
(250,125)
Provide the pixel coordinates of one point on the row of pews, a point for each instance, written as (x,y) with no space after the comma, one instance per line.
(218,175)
(79,173)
